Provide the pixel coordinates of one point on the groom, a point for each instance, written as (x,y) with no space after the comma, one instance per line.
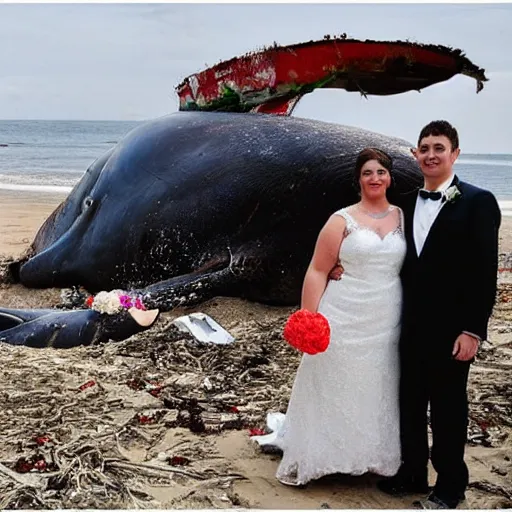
(449,287)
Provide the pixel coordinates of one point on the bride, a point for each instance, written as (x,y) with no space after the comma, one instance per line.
(343,414)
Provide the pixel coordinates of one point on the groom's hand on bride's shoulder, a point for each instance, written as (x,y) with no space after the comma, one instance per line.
(336,272)
(465,347)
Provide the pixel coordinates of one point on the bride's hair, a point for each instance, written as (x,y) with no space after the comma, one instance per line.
(368,154)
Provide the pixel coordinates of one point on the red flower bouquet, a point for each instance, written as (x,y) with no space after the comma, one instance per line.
(308,332)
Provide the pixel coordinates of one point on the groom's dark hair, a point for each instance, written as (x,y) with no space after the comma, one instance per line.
(437,128)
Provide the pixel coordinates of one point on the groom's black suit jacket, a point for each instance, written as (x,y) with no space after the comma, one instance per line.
(451,286)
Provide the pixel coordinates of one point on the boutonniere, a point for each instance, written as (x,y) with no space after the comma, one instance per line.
(452,194)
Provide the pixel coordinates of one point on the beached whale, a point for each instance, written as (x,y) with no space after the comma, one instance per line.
(191,206)
(194,205)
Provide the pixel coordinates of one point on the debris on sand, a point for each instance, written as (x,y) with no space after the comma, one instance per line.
(135,424)
(72,417)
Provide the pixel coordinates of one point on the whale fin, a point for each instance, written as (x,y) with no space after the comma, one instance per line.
(274,79)
(45,328)
(189,289)
(251,272)
(52,328)
(11,316)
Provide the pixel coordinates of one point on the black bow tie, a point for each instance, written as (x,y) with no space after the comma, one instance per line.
(426,194)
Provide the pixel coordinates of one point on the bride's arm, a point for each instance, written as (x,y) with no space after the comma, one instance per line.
(324,259)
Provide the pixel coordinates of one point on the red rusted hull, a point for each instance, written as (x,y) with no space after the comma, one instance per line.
(274,79)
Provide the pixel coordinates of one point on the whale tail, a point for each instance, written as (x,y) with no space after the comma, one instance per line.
(273,80)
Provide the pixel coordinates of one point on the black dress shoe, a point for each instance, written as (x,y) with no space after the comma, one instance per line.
(401,484)
(434,502)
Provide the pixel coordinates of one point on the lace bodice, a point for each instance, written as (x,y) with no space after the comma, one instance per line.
(364,254)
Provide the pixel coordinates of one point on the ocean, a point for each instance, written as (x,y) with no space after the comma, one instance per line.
(50,156)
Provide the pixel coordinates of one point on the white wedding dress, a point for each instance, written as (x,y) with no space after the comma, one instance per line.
(343,412)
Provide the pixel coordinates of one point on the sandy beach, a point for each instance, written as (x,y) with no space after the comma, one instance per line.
(22,214)
(114,458)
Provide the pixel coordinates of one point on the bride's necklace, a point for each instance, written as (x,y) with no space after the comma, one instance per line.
(377,215)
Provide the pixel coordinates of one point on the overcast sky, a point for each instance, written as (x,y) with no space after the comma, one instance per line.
(122,61)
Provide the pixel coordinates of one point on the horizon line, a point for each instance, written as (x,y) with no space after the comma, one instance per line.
(81,120)
(151,118)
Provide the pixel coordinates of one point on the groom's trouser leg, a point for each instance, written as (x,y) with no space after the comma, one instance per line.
(449,420)
(413,416)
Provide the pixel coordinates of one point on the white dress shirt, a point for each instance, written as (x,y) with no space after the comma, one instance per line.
(425,214)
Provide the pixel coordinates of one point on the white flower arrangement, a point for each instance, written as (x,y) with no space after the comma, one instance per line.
(107,302)
(113,302)
(452,194)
